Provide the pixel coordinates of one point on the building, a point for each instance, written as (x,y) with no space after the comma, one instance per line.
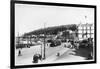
(85,31)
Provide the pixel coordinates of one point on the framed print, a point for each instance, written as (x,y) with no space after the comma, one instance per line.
(52,34)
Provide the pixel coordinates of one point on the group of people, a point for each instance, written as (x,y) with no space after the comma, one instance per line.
(85,45)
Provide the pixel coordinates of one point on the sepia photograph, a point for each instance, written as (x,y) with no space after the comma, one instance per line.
(46,34)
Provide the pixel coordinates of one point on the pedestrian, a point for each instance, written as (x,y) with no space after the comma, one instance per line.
(90,49)
(19,53)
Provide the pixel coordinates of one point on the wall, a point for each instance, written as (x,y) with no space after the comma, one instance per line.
(5,34)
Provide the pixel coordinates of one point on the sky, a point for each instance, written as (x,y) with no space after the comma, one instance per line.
(32,17)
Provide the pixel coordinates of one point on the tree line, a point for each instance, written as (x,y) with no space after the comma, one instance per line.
(52,30)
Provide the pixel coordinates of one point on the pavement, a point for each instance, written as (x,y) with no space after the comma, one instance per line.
(66,55)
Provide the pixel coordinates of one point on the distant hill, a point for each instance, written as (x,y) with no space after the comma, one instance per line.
(52,30)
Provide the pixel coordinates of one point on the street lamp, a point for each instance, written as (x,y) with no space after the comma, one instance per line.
(44,41)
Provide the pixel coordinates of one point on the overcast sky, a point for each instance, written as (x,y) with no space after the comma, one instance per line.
(32,17)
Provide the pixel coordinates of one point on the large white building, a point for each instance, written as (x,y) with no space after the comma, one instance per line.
(85,31)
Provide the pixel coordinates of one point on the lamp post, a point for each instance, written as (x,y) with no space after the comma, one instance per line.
(44,56)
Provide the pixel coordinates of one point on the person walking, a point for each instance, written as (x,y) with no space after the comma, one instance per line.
(19,53)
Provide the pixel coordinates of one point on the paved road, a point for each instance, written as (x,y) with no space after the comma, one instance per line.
(66,55)
(27,54)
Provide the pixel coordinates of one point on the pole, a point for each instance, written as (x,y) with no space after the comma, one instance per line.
(19,40)
(86,25)
(90,31)
(44,41)
(41,51)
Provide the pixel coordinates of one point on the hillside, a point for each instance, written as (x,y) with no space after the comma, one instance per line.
(52,30)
